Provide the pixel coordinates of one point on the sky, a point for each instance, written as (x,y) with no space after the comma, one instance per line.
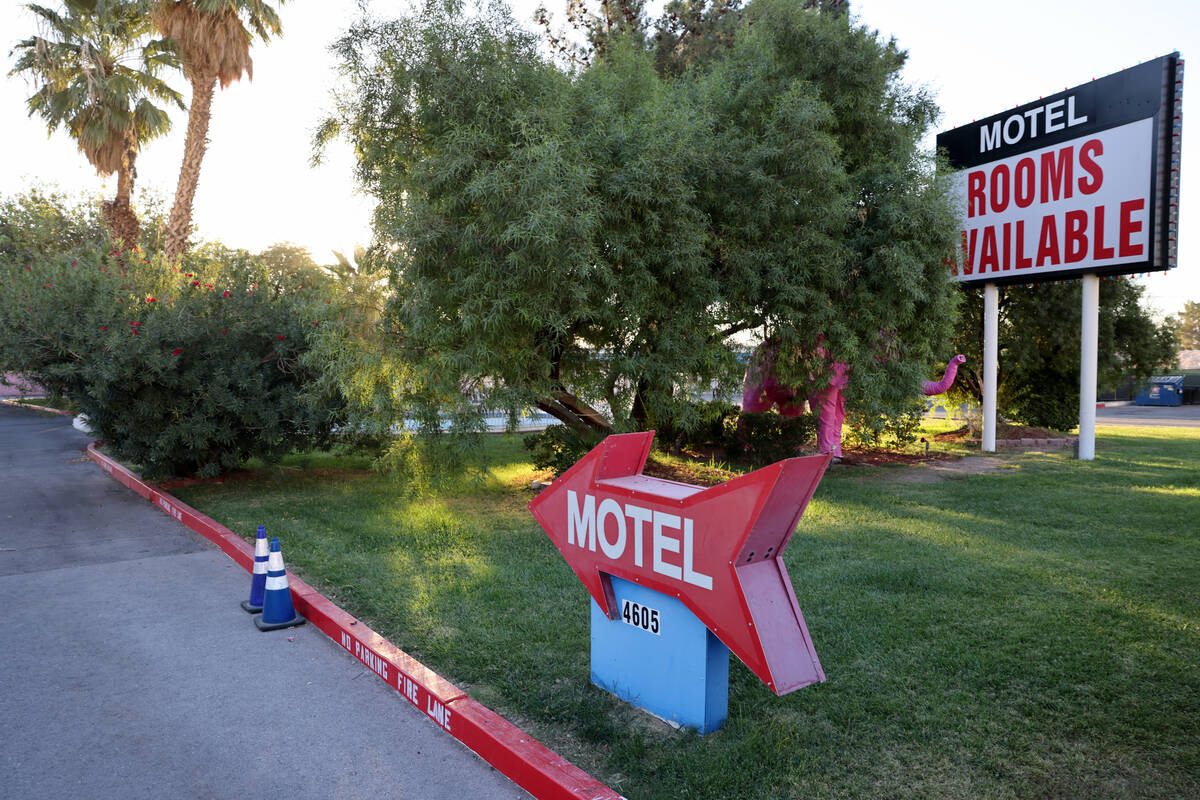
(257,187)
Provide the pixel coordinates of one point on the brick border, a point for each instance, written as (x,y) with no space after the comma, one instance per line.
(1054,444)
(1016,444)
(521,758)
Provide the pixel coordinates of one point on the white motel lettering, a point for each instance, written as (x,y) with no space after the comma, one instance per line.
(588,525)
(1016,127)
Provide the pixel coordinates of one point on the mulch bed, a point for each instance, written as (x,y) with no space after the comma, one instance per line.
(700,474)
(862,457)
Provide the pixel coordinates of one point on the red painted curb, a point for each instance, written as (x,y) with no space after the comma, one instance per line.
(36,407)
(521,758)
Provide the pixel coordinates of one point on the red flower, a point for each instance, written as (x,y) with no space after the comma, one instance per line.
(208,285)
(48,285)
(189,274)
(226,293)
(29,268)
(177,351)
(119,300)
(281,338)
(135,332)
(222,331)
(74,263)
(103,327)
(102,269)
(135,324)
(314,322)
(149,299)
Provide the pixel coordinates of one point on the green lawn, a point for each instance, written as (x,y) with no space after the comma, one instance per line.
(1029,632)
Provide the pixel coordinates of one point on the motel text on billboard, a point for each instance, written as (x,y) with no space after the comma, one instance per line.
(1084,181)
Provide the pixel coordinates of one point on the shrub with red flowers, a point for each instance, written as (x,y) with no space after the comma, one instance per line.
(178,378)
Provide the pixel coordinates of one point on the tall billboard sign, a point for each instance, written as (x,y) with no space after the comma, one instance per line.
(1084,181)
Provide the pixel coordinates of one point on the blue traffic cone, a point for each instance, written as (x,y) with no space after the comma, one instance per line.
(258,580)
(278,611)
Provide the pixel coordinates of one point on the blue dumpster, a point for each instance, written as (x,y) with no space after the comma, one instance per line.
(1166,390)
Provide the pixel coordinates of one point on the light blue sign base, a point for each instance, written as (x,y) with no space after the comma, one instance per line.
(680,673)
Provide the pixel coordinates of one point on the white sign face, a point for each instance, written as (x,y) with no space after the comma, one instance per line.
(1084,203)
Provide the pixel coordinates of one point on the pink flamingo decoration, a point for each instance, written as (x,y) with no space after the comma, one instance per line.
(761,390)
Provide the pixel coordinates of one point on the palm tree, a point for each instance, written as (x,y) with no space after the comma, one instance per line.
(213,36)
(95,72)
(364,285)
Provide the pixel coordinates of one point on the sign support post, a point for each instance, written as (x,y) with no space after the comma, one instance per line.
(991,349)
(1089,335)
(658,656)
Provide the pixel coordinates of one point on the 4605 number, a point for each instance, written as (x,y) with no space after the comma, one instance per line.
(640,616)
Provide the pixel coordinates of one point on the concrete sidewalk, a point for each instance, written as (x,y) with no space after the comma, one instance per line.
(130,671)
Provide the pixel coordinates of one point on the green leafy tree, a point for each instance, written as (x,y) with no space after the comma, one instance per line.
(1039,348)
(43,220)
(363,283)
(290,266)
(95,69)
(594,242)
(185,367)
(1187,326)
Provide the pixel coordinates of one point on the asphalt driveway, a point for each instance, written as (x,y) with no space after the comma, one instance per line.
(130,671)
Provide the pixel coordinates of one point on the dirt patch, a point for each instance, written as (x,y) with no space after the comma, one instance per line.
(935,471)
(1003,431)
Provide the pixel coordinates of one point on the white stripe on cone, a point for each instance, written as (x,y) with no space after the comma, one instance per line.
(276,583)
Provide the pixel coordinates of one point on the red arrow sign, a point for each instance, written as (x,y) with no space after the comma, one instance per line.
(718,549)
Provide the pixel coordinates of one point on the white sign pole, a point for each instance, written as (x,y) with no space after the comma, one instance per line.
(1089,334)
(991,335)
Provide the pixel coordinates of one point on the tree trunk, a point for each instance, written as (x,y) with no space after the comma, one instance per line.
(118,212)
(639,413)
(574,413)
(194,146)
